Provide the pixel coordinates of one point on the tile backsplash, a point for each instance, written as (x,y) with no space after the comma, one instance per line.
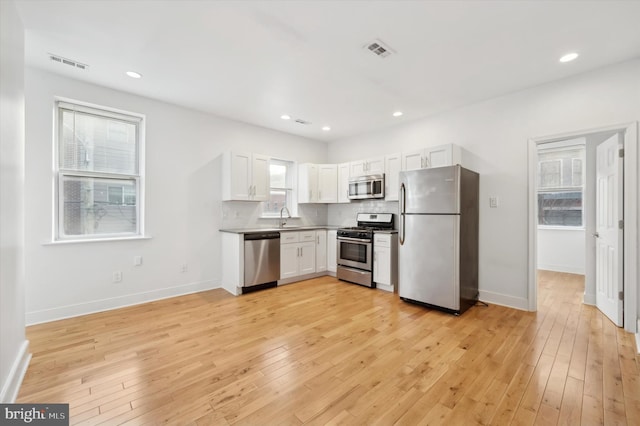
(241,214)
(345,214)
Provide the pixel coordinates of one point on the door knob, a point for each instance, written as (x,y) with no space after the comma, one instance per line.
(596,235)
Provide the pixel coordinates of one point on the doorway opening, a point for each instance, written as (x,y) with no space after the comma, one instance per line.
(562,183)
(566,190)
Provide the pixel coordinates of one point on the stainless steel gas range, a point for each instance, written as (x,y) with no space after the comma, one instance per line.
(355,248)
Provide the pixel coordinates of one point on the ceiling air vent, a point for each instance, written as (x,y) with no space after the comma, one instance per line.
(379,48)
(60,59)
(301,121)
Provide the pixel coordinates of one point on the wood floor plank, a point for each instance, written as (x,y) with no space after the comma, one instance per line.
(328,352)
(571,408)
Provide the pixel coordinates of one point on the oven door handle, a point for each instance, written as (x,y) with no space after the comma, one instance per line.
(357,240)
(403,202)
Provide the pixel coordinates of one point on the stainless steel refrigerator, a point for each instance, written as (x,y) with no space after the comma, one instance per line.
(438,236)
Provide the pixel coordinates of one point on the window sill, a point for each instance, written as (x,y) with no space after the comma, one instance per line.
(96,240)
(561,228)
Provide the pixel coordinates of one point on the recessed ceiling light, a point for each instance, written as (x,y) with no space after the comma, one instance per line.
(569,57)
(285,117)
(326,128)
(397,113)
(134,74)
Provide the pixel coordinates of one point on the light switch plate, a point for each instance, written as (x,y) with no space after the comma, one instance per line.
(493,202)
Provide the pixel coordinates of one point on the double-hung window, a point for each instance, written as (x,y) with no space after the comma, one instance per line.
(561,174)
(281,188)
(99,173)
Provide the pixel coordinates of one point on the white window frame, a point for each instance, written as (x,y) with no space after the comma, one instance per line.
(292,201)
(60,172)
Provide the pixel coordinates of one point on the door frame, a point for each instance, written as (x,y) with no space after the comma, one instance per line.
(629,133)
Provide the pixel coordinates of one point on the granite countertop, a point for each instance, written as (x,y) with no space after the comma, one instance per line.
(285,229)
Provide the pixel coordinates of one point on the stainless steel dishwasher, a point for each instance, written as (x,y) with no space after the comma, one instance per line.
(261,260)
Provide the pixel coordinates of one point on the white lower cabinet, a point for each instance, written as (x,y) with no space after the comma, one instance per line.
(297,253)
(385,261)
(289,260)
(321,251)
(332,251)
(307,258)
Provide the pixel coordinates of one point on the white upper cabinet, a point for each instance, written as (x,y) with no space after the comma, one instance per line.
(375,165)
(327,183)
(413,160)
(435,156)
(393,165)
(357,168)
(443,155)
(370,166)
(317,183)
(245,176)
(308,183)
(343,183)
(260,177)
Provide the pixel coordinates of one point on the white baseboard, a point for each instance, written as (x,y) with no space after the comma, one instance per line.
(384,287)
(302,278)
(69,311)
(561,268)
(503,300)
(589,299)
(638,338)
(11,387)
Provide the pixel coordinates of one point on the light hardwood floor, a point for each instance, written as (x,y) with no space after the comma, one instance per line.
(324,351)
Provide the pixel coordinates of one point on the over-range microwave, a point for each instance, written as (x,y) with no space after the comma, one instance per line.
(364,187)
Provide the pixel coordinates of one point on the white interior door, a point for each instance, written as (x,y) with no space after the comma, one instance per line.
(609,251)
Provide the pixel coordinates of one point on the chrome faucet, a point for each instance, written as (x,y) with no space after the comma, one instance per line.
(282,221)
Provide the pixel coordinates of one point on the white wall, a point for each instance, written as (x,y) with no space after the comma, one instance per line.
(14,356)
(495,136)
(561,250)
(183,207)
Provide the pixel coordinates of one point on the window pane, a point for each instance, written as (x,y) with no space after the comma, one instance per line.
(576,169)
(277,200)
(99,144)
(550,174)
(278,175)
(560,208)
(94,206)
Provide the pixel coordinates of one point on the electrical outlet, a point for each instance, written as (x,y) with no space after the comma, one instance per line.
(117,276)
(137,260)
(184,268)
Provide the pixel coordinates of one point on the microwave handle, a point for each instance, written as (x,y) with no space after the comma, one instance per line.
(403,201)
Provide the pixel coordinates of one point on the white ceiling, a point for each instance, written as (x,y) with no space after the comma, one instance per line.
(256,60)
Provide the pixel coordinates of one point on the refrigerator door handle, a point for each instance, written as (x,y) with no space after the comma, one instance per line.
(403,200)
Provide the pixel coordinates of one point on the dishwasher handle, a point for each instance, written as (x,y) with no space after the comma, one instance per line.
(261,236)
